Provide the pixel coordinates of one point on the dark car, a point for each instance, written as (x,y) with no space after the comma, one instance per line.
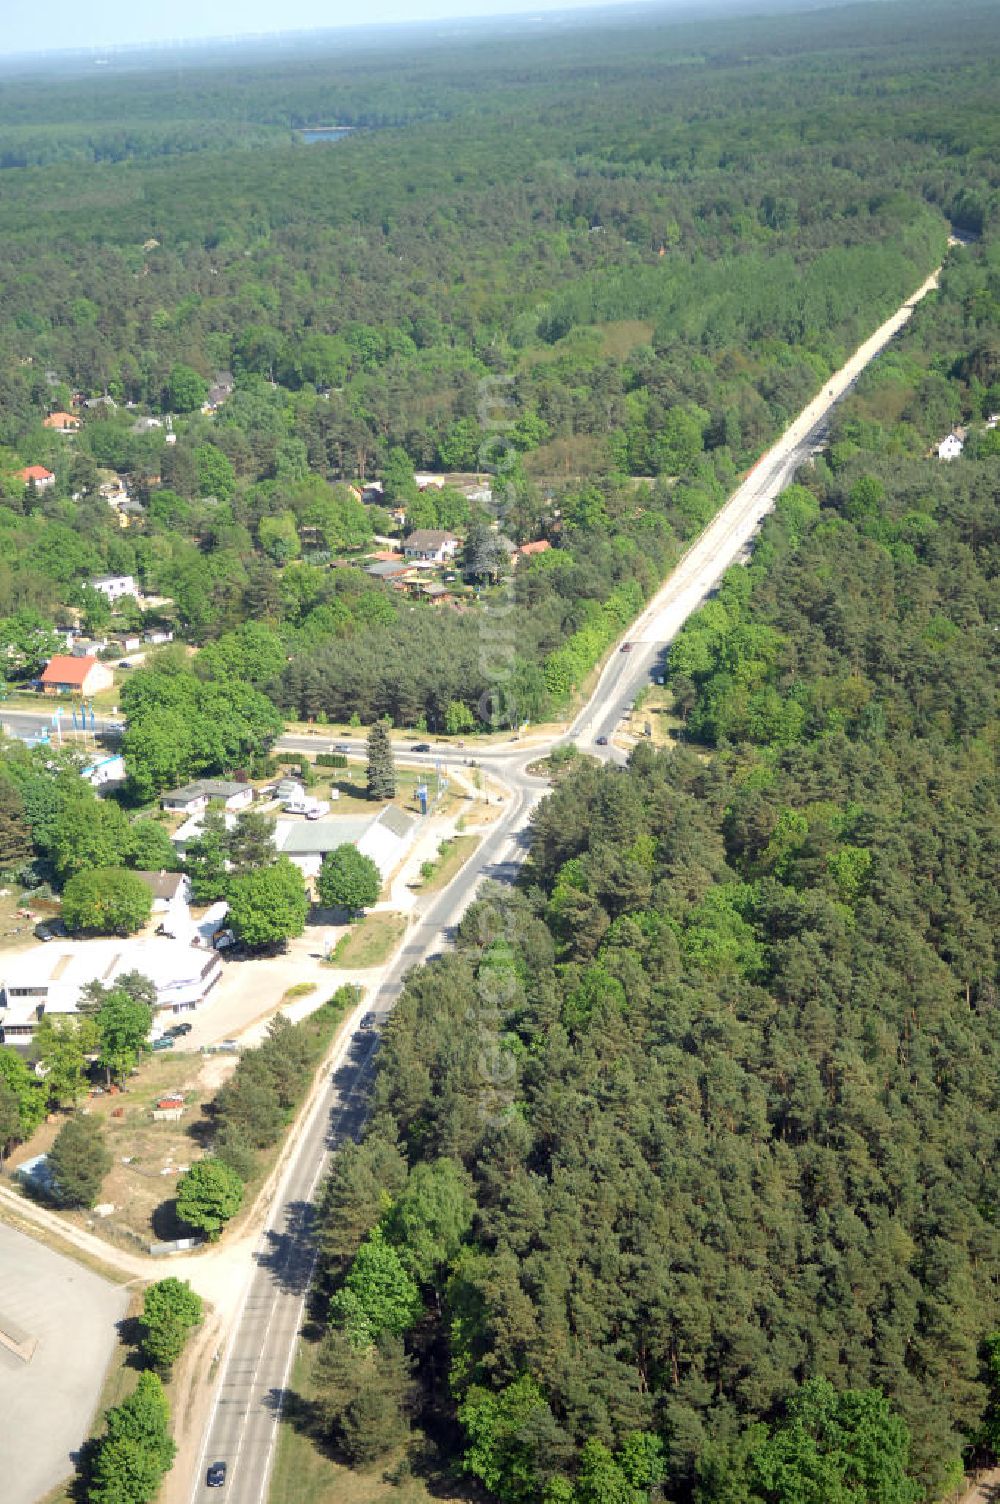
(602,741)
(421,747)
(626,647)
(368,1021)
(216,1476)
(124,663)
(177,1031)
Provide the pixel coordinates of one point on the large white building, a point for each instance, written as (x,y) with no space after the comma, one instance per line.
(114,586)
(51,978)
(384,837)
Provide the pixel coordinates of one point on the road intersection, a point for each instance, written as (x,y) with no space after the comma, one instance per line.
(243,1427)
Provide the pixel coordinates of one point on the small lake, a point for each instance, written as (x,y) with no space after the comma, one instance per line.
(311,133)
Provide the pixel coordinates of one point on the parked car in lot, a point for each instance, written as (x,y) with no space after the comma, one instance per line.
(178,1031)
(164,1043)
(216,1475)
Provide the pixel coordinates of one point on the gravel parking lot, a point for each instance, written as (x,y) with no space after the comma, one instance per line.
(48,1403)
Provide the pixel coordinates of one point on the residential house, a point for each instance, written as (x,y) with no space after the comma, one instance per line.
(146,425)
(114,586)
(220,389)
(384,838)
(114,492)
(158,637)
(532,550)
(430,545)
(171,901)
(79,676)
(438,595)
(429,482)
(387,837)
(195,797)
(388,569)
(87,647)
(37,476)
(62,422)
(951,447)
(105,401)
(51,978)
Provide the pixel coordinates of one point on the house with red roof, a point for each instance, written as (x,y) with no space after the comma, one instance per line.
(38,476)
(65,675)
(61,422)
(529,550)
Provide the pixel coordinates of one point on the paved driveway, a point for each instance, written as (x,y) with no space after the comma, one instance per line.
(47,1404)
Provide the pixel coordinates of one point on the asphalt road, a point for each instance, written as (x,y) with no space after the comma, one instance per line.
(244,1423)
(28,724)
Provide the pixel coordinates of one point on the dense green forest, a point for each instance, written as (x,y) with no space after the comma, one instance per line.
(681,1179)
(682,1170)
(658,238)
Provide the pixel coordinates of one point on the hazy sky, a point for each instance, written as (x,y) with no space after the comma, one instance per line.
(60,24)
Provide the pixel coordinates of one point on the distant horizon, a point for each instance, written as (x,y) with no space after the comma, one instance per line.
(62,28)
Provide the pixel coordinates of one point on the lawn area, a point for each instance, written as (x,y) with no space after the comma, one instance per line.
(452,854)
(350,785)
(18,932)
(306,1474)
(371,942)
(147,1156)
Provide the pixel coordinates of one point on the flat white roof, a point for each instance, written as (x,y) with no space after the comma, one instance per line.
(76,962)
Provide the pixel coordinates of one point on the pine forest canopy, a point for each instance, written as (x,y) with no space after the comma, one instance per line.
(721,1079)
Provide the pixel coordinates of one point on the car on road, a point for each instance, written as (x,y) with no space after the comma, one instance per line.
(341,747)
(124,663)
(421,747)
(368,1021)
(626,647)
(216,1475)
(601,741)
(163,1043)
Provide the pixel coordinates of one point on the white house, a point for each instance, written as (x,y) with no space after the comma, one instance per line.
(387,838)
(171,901)
(114,586)
(194,827)
(430,545)
(37,476)
(51,978)
(194,798)
(384,837)
(950,448)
